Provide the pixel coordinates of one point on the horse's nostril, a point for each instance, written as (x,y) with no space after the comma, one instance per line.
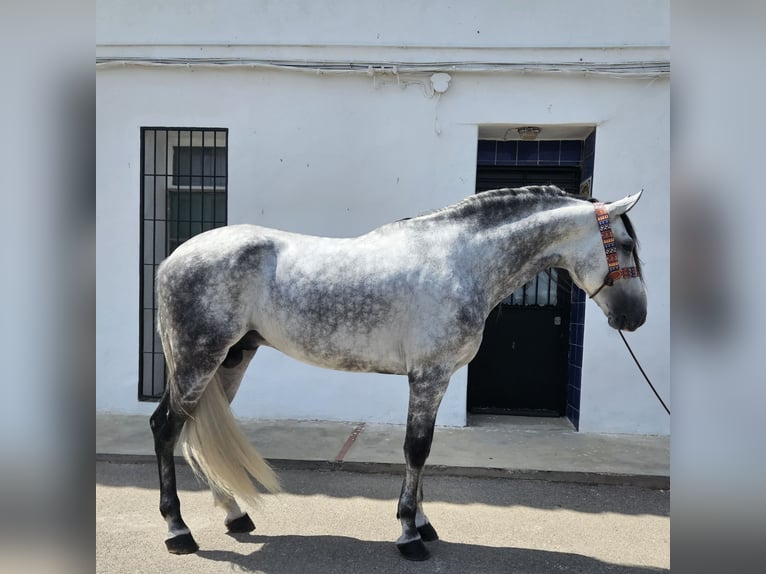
(631,324)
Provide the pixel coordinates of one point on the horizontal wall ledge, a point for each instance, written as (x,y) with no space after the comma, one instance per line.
(645,60)
(642,69)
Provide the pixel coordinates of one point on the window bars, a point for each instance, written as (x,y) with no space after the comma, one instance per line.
(184,183)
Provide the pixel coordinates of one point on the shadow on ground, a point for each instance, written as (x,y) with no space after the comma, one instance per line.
(493,491)
(336,554)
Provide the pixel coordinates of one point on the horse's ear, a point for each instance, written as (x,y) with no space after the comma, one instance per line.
(624,205)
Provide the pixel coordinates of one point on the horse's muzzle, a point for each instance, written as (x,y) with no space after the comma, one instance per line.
(625,322)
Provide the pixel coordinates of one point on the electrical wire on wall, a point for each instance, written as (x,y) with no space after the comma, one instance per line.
(635,69)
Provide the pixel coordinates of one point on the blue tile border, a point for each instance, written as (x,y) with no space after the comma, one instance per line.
(576,343)
(523,152)
(589,148)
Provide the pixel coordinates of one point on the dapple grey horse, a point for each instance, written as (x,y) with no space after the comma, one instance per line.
(408,298)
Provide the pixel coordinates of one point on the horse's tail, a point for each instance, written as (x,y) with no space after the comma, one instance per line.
(215,448)
(211,441)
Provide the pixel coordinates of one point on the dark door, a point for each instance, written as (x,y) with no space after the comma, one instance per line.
(521,366)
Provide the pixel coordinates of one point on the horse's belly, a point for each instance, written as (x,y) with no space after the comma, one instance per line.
(340,354)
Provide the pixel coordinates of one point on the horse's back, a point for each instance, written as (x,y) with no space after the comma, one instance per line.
(223,242)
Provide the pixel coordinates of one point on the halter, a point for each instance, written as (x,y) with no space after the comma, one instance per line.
(614,272)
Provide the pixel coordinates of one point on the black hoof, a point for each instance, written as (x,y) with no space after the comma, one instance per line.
(428,533)
(241,524)
(181,544)
(414,550)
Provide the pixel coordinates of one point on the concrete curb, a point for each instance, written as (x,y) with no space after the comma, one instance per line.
(653,482)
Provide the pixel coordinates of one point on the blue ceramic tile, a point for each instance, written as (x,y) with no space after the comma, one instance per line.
(575,418)
(576,377)
(506,153)
(589,146)
(571,151)
(576,356)
(574,314)
(486,152)
(549,152)
(587,168)
(577,336)
(528,153)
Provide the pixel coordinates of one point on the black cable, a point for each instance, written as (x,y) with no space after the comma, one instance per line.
(659,398)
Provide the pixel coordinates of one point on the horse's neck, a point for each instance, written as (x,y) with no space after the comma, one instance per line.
(513,253)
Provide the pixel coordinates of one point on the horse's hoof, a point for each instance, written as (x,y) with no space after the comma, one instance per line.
(414,550)
(428,533)
(181,544)
(241,524)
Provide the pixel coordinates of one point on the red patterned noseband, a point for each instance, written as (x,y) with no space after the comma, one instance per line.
(615,272)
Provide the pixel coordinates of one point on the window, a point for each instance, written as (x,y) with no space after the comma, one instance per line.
(197,166)
(184,182)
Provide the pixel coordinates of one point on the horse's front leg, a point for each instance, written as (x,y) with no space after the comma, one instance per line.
(426,393)
(427,532)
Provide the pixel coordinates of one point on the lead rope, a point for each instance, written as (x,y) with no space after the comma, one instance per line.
(640,368)
(615,272)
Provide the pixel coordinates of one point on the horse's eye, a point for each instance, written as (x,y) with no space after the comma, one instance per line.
(628,245)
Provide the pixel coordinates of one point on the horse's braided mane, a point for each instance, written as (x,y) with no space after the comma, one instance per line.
(505,202)
(502,202)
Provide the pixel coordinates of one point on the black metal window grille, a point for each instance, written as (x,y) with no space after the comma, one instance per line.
(184,183)
(197,165)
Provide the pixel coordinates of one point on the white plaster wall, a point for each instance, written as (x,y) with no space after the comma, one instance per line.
(614,397)
(474,23)
(339,155)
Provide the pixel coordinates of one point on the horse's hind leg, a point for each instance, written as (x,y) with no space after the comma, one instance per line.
(237,520)
(231,372)
(189,379)
(166,426)
(426,392)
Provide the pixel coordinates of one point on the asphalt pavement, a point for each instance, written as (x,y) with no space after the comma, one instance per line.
(330,521)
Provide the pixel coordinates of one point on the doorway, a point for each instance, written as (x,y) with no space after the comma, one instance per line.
(521,367)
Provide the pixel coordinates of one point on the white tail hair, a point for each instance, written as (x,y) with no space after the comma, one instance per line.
(213,444)
(216,449)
